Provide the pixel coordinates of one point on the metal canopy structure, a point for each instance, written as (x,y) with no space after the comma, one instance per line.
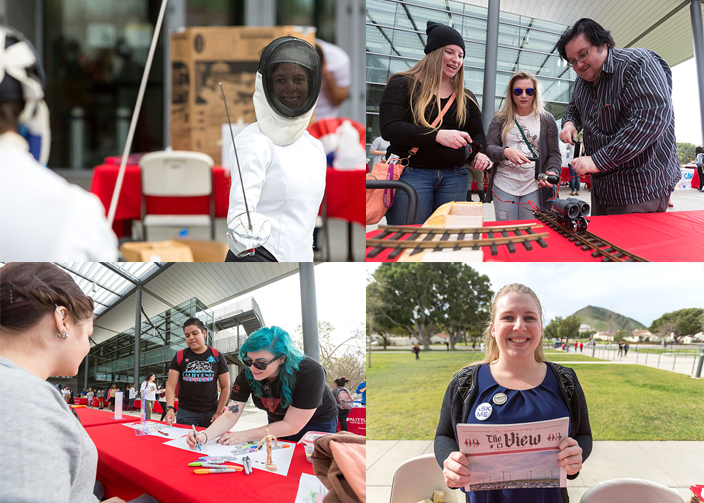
(662,26)
(114,287)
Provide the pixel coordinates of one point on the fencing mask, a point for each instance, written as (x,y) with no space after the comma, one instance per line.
(286,89)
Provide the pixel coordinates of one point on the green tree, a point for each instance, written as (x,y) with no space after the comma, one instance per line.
(466,295)
(685,152)
(552,331)
(569,328)
(688,321)
(424,298)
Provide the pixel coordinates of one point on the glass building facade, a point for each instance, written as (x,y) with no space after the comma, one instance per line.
(395,34)
(161,337)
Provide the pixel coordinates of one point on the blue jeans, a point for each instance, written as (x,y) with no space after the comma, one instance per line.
(324,426)
(574,179)
(434,187)
(509,209)
(193,418)
(129,407)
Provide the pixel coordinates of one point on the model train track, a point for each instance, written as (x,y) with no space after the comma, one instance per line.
(401,238)
(588,241)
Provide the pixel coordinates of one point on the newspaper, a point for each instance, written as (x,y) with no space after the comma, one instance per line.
(514,456)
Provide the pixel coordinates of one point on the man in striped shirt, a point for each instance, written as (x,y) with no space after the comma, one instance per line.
(622,99)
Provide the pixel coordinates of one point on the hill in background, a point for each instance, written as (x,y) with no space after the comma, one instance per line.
(602,319)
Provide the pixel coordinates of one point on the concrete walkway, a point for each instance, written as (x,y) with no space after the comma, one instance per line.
(674,464)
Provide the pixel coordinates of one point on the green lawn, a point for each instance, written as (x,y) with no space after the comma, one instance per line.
(626,402)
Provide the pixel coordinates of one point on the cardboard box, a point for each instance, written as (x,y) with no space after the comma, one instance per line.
(203,57)
(174,250)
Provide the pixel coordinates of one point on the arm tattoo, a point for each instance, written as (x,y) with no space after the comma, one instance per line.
(233,407)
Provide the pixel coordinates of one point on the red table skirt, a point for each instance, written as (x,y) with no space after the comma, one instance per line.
(131,465)
(92,417)
(659,237)
(356,421)
(80,401)
(344,195)
(565,177)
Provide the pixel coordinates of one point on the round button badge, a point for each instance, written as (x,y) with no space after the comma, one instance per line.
(499,398)
(483,411)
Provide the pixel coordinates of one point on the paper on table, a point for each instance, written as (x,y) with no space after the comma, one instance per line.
(310,489)
(155,429)
(281,457)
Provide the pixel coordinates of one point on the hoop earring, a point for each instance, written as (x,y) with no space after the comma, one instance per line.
(62,336)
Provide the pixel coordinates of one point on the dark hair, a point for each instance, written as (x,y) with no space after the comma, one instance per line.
(196,322)
(9,114)
(341,381)
(146,379)
(31,290)
(593,31)
(699,150)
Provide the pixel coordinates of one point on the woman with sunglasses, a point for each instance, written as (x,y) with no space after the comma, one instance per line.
(411,102)
(281,380)
(522,142)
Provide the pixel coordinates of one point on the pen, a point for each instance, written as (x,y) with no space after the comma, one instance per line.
(195,437)
(205,471)
(165,434)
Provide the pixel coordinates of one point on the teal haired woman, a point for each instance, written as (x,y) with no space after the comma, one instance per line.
(281,380)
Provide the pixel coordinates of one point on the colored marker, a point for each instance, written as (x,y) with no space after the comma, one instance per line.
(163,433)
(209,465)
(205,471)
(195,437)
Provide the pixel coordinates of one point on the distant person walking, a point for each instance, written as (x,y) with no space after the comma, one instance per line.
(344,400)
(576,345)
(133,396)
(625,349)
(581,347)
(416,351)
(149,388)
(620,348)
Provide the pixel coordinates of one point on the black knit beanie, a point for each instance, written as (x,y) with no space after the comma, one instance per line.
(440,35)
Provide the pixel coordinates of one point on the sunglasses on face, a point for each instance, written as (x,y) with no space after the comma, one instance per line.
(518,91)
(259,365)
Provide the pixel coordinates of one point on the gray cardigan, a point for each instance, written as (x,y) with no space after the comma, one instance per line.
(549,148)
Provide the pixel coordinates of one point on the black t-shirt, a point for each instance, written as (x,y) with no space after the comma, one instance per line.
(198,380)
(398,127)
(310,392)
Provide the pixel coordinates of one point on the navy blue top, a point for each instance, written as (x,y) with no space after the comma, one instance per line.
(536,404)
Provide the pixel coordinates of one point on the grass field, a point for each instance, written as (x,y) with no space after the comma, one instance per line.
(626,402)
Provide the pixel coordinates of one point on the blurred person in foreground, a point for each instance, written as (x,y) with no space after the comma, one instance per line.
(532,389)
(44,217)
(46,322)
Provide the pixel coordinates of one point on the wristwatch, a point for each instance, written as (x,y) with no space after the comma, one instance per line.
(170,407)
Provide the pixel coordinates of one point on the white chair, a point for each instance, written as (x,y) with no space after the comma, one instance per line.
(177,174)
(630,491)
(417,478)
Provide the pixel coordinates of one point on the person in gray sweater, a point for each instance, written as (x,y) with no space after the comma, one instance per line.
(520,130)
(45,325)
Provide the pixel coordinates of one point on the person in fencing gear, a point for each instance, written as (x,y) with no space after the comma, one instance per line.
(43,217)
(283,166)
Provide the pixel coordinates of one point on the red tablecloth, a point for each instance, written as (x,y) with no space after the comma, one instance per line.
(130,465)
(357,421)
(92,417)
(80,401)
(659,237)
(344,195)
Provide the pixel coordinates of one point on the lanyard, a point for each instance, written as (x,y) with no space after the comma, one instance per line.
(524,138)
